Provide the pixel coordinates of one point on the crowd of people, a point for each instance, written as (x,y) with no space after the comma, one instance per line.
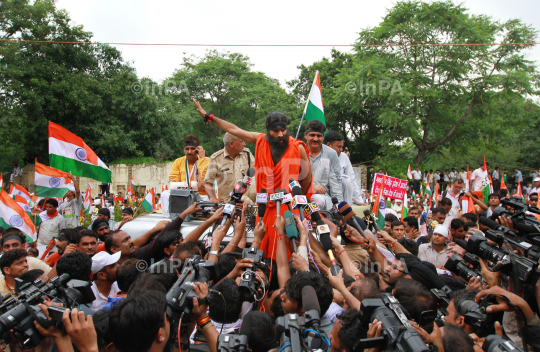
(257,285)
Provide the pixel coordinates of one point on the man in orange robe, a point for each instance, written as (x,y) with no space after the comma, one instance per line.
(278,157)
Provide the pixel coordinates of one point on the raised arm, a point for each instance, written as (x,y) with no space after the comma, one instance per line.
(248,137)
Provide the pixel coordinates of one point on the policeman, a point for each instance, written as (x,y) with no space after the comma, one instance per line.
(226,167)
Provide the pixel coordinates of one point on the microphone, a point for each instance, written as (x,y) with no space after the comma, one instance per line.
(249,174)
(311,307)
(324,235)
(526,228)
(277,197)
(346,211)
(245,330)
(496,226)
(262,200)
(290,227)
(228,210)
(368,216)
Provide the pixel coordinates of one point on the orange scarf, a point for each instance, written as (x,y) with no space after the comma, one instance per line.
(271,177)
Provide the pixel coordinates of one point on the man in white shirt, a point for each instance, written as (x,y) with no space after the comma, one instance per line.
(50,225)
(351,192)
(536,186)
(463,174)
(70,209)
(479,178)
(496,177)
(104,267)
(453,175)
(417,175)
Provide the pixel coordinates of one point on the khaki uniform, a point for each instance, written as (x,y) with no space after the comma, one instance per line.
(227,171)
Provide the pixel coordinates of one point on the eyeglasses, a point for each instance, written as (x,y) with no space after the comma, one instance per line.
(394,266)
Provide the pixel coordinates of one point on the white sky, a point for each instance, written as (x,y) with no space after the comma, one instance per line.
(249,22)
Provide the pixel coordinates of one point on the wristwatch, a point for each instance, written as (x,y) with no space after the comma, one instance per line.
(214,252)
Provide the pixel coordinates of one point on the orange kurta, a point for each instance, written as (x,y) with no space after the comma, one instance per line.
(271,177)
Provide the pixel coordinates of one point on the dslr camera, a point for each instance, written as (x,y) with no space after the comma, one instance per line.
(475,315)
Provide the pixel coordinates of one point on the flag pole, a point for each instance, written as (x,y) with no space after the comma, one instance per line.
(307,102)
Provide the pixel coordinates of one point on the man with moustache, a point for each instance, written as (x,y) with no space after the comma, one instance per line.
(278,157)
(192,167)
(325,165)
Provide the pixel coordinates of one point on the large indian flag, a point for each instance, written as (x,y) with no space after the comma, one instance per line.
(149,202)
(68,152)
(314,106)
(51,182)
(12,215)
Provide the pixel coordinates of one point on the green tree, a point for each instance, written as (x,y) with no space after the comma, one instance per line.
(441,96)
(227,87)
(86,88)
(359,127)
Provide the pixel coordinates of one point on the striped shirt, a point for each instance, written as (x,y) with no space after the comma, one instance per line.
(427,253)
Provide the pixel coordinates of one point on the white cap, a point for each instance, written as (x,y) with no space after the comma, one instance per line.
(97,201)
(536,179)
(440,229)
(102,259)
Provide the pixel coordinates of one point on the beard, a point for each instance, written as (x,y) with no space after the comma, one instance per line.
(278,145)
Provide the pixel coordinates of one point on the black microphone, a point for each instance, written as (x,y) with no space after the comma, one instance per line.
(262,199)
(245,329)
(496,226)
(324,235)
(367,214)
(525,228)
(311,307)
(250,173)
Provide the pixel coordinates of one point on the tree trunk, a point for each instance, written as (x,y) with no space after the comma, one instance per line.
(420,156)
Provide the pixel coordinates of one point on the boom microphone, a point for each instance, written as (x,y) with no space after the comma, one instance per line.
(346,211)
(367,214)
(496,226)
(311,307)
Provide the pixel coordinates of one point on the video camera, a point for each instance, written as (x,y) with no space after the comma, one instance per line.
(495,343)
(443,303)
(180,296)
(526,268)
(292,328)
(397,333)
(19,311)
(475,315)
(249,285)
(522,222)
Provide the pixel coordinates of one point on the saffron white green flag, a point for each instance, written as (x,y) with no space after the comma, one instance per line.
(314,106)
(149,201)
(12,215)
(409,173)
(68,152)
(51,182)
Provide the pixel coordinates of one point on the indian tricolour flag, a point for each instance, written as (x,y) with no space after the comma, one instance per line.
(68,152)
(51,182)
(405,207)
(12,215)
(409,172)
(87,202)
(18,190)
(149,201)
(314,106)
